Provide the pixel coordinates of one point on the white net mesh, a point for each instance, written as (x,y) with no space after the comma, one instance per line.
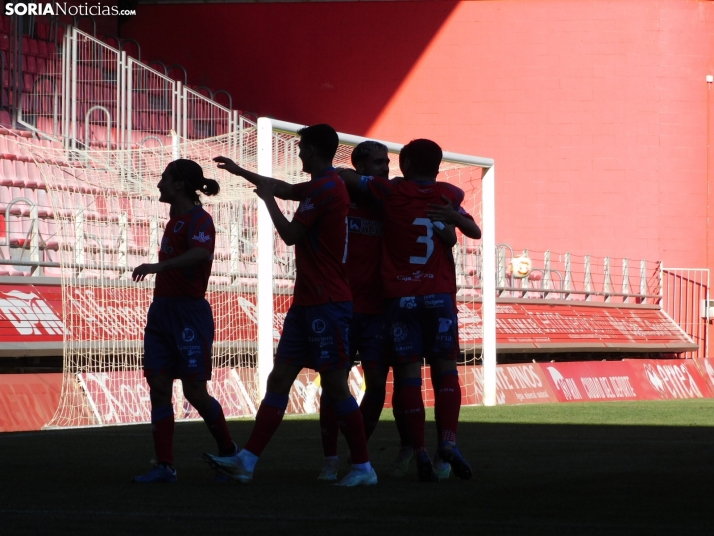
(98,217)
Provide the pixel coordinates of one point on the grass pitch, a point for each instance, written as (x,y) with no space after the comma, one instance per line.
(564,469)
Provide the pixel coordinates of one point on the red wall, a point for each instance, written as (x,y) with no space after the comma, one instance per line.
(596,111)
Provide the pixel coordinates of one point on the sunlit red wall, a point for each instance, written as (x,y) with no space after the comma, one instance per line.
(597,112)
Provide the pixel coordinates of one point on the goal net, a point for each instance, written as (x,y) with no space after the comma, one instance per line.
(98,217)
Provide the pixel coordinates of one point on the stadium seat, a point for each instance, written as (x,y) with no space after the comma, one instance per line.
(20,174)
(42,49)
(34,177)
(8,173)
(44,205)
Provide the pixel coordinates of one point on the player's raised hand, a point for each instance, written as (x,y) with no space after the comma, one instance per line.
(229,165)
(444,213)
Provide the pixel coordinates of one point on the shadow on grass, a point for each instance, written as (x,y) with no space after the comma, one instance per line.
(529,479)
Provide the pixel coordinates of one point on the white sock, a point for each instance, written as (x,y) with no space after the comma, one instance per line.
(249,459)
(363,467)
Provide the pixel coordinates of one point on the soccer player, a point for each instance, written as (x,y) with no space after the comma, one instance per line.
(419,281)
(315,332)
(179,329)
(363,271)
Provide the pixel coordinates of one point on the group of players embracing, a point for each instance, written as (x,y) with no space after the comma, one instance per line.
(375,281)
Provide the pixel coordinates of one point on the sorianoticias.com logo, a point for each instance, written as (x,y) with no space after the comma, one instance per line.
(62,8)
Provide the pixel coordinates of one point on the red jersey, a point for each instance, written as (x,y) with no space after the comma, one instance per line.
(319,258)
(415,261)
(194,229)
(364,226)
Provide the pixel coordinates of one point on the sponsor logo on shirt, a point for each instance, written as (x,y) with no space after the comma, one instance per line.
(366,227)
(165,246)
(178,226)
(407,303)
(201,237)
(399,332)
(416,276)
(306,205)
(190,350)
(318,325)
(432,301)
(444,325)
(188,335)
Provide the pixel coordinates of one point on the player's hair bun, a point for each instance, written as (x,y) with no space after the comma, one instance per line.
(210,187)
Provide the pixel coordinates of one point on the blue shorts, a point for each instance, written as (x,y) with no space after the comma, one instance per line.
(420,327)
(367,339)
(178,338)
(316,337)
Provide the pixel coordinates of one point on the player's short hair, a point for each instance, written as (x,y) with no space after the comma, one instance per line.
(424,156)
(192,173)
(364,149)
(322,137)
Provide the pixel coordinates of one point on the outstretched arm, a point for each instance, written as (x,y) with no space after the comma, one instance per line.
(449,215)
(280,189)
(291,232)
(351,178)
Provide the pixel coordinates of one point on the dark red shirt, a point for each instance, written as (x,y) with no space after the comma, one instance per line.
(321,275)
(194,229)
(364,250)
(415,261)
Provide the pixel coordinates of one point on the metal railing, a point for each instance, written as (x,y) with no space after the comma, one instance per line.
(685,299)
(142,102)
(561,276)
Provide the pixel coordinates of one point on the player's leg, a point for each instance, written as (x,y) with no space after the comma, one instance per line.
(447,391)
(212,413)
(370,347)
(349,418)
(194,322)
(329,432)
(159,370)
(448,400)
(270,414)
(400,465)
(405,347)
(162,429)
(329,350)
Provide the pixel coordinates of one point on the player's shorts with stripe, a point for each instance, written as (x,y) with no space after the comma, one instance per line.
(367,339)
(316,336)
(178,338)
(421,327)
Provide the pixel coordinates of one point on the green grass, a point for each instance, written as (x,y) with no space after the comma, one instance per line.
(608,468)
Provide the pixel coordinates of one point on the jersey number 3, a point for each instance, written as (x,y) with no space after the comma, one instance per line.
(425,239)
